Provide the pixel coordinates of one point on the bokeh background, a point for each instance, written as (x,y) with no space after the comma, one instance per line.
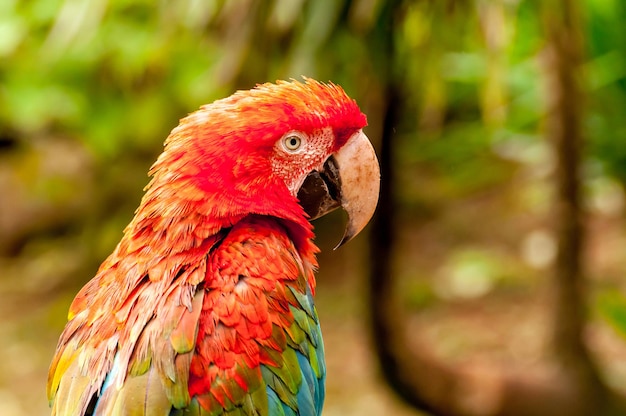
(474,107)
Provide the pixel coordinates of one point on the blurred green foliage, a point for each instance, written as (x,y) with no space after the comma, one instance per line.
(117,74)
(606,70)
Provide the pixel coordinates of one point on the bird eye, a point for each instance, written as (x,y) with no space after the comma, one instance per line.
(292,142)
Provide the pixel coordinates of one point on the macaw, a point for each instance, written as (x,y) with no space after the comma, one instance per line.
(205,307)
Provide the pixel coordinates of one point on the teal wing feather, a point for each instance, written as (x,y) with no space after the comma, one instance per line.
(304,356)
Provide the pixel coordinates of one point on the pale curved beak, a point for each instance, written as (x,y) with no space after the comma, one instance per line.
(350,179)
(360,183)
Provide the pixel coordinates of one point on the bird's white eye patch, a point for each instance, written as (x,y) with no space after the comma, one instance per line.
(292,142)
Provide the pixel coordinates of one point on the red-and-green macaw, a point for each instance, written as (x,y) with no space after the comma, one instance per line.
(205,307)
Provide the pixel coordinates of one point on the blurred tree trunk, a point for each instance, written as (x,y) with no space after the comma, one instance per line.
(414,373)
(564,59)
(563,126)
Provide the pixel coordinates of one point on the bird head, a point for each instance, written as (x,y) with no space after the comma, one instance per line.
(291,150)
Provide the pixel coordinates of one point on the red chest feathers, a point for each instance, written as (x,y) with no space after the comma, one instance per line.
(246,313)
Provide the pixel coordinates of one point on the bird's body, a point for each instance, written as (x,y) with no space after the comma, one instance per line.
(205,307)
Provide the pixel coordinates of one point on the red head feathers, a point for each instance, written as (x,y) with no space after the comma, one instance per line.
(218,161)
